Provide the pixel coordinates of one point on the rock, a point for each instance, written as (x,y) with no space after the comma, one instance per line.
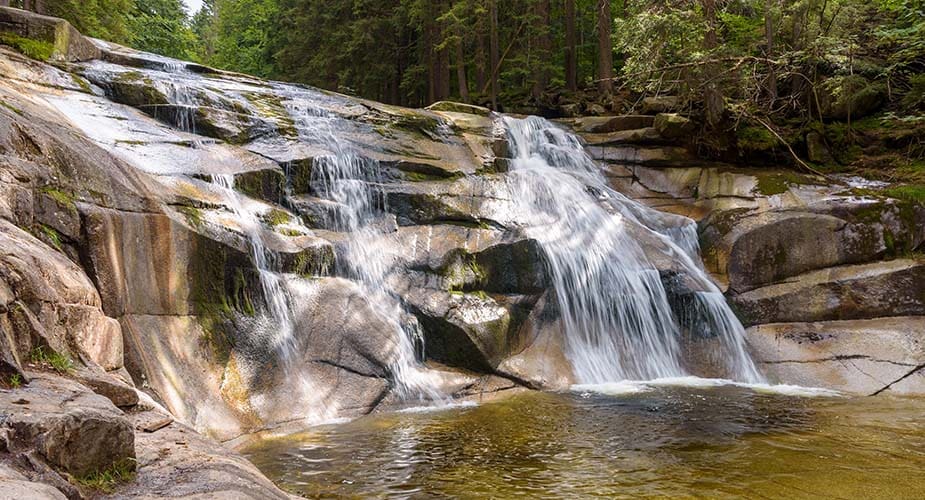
(607,124)
(58,306)
(635,136)
(458,107)
(673,125)
(596,109)
(470,201)
(80,432)
(856,356)
(571,110)
(543,363)
(120,393)
(660,104)
(754,249)
(881,289)
(14,485)
(64,43)
(816,150)
(175,461)
(663,156)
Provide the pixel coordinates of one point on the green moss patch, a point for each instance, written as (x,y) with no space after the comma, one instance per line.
(780,182)
(35,49)
(755,139)
(909,192)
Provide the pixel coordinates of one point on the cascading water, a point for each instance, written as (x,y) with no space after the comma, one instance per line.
(618,321)
(353,182)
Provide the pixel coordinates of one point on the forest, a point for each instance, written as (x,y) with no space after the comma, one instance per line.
(826,85)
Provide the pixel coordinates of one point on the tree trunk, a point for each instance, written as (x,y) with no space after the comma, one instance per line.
(461,71)
(4,3)
(543,46)
(494,51)
(713,103)
(431,56)
(604,47)
(769,41)
(571,47)
(481,64)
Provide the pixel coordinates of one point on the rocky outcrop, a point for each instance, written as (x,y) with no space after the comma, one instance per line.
(57,39)
(870,356)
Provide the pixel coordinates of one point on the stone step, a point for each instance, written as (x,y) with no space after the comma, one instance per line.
(879,289)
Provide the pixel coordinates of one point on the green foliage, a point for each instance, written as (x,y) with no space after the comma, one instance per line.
(59,362)
(107,480)
(910,192)
(106,19)
(162,27)
(53,236)
(36,49)
(245,34)
(755,138)
(15,381)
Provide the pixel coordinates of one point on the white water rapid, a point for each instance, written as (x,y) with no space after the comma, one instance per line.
(601,247)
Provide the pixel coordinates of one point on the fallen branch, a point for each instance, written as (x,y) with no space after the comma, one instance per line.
(792,152)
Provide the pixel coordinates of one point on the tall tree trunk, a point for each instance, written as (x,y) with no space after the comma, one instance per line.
(481,63)
(494,51)
(463,80)
(443,58)
(604,47)
(543,45)
(429,44)
(571,47)
(769,41)
(712,98)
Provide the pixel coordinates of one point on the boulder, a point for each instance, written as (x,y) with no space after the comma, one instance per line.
(15,485)
(673,125)
(607,124)
(868,356)
(880,289)
(751,249)
(109,386)
(660,104)
(57,305)
(458,107)
(73,429)
(669,156)
(816,150)
(58,39)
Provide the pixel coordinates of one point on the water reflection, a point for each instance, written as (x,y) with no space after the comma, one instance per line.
(723,441)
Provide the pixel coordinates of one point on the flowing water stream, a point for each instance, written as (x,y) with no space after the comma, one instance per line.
(619,324)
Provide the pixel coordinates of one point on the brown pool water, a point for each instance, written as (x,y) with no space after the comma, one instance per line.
(666,442)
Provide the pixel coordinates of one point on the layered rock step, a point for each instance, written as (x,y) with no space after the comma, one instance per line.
(868,356)
(879,289)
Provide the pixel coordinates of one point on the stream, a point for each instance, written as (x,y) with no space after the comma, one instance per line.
(669,441)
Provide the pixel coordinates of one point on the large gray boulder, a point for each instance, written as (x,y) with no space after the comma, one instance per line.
(881,289)
(61,41)
(868,356)
(73,429)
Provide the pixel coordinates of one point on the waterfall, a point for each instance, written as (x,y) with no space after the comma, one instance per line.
(352,181)
(615,310)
